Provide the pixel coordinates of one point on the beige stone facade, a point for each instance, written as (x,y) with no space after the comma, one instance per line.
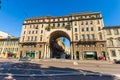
(112,34)
(9,47)
(84,30)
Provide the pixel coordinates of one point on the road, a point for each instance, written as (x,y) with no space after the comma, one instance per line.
(58,70)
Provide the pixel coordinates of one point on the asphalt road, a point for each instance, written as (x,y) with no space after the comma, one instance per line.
(77,77)
(58,70)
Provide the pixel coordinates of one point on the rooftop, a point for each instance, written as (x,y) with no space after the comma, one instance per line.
(75,14)
(111,27)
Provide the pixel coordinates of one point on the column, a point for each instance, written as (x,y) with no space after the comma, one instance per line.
(74,52)
(49,52)
(45,52)
(71,52)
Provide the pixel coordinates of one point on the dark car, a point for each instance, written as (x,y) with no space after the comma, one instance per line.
(24,59)
(117,61)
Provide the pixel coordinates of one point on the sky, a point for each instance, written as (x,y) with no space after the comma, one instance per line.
(13,12)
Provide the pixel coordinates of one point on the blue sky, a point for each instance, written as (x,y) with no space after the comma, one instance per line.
(14,12)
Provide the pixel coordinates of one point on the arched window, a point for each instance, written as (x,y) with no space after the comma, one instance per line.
(110,42)
(118,41)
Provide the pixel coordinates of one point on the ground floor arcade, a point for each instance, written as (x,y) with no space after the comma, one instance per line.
(94,50)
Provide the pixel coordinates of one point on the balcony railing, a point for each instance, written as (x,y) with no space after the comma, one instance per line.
(48,28)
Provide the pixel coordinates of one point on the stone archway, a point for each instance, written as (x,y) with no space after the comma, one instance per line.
(51,49)
(57,51)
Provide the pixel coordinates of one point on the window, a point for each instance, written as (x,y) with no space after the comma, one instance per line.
(28,38)
(93,37)
(36,31)
(41,38)
(118,42)
(29,32)
(75,23)
(108,32)
(25,26)
(40,46)
(82,29)
(48,24)
(58,19)
(82,23)
(58,25)
(74,18)
(102,45)
(32,38)
(32,32)
(35,38)
(68,18)
(87,29)
(88,37)
(91,22)
(92,29)
(43,20)
(30,26)
(116,32)
(24,32)
(113,54)
(98,22)
(110,42)
(76,37)
(86,22)
(97,16)
(100,36)
(36,27)
(75,29)
(41,31)
(63,19)
(83,37)
(99,29)
(63,24)
(53,24)
(42,25)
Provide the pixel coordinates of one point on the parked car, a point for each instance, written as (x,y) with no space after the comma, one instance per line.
(117,61)
(24,59)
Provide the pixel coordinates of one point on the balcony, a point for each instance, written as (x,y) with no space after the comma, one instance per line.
(85,41)
(67,27)
(48,28)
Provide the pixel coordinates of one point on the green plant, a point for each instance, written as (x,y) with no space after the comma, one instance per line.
(49,27)
(92,17)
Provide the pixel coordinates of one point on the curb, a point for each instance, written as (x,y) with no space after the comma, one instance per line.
(63,74)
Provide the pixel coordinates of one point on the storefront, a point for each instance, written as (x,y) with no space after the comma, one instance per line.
(30,54)
(90,55)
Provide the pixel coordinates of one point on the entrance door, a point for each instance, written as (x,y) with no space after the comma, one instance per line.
(20,54)
(39,54)
(103,54)
(28,54)
(77,55)
(32,55)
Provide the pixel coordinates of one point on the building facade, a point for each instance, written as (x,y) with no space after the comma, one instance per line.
(3,34)
(112,34)
(9,47)
(84,31)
